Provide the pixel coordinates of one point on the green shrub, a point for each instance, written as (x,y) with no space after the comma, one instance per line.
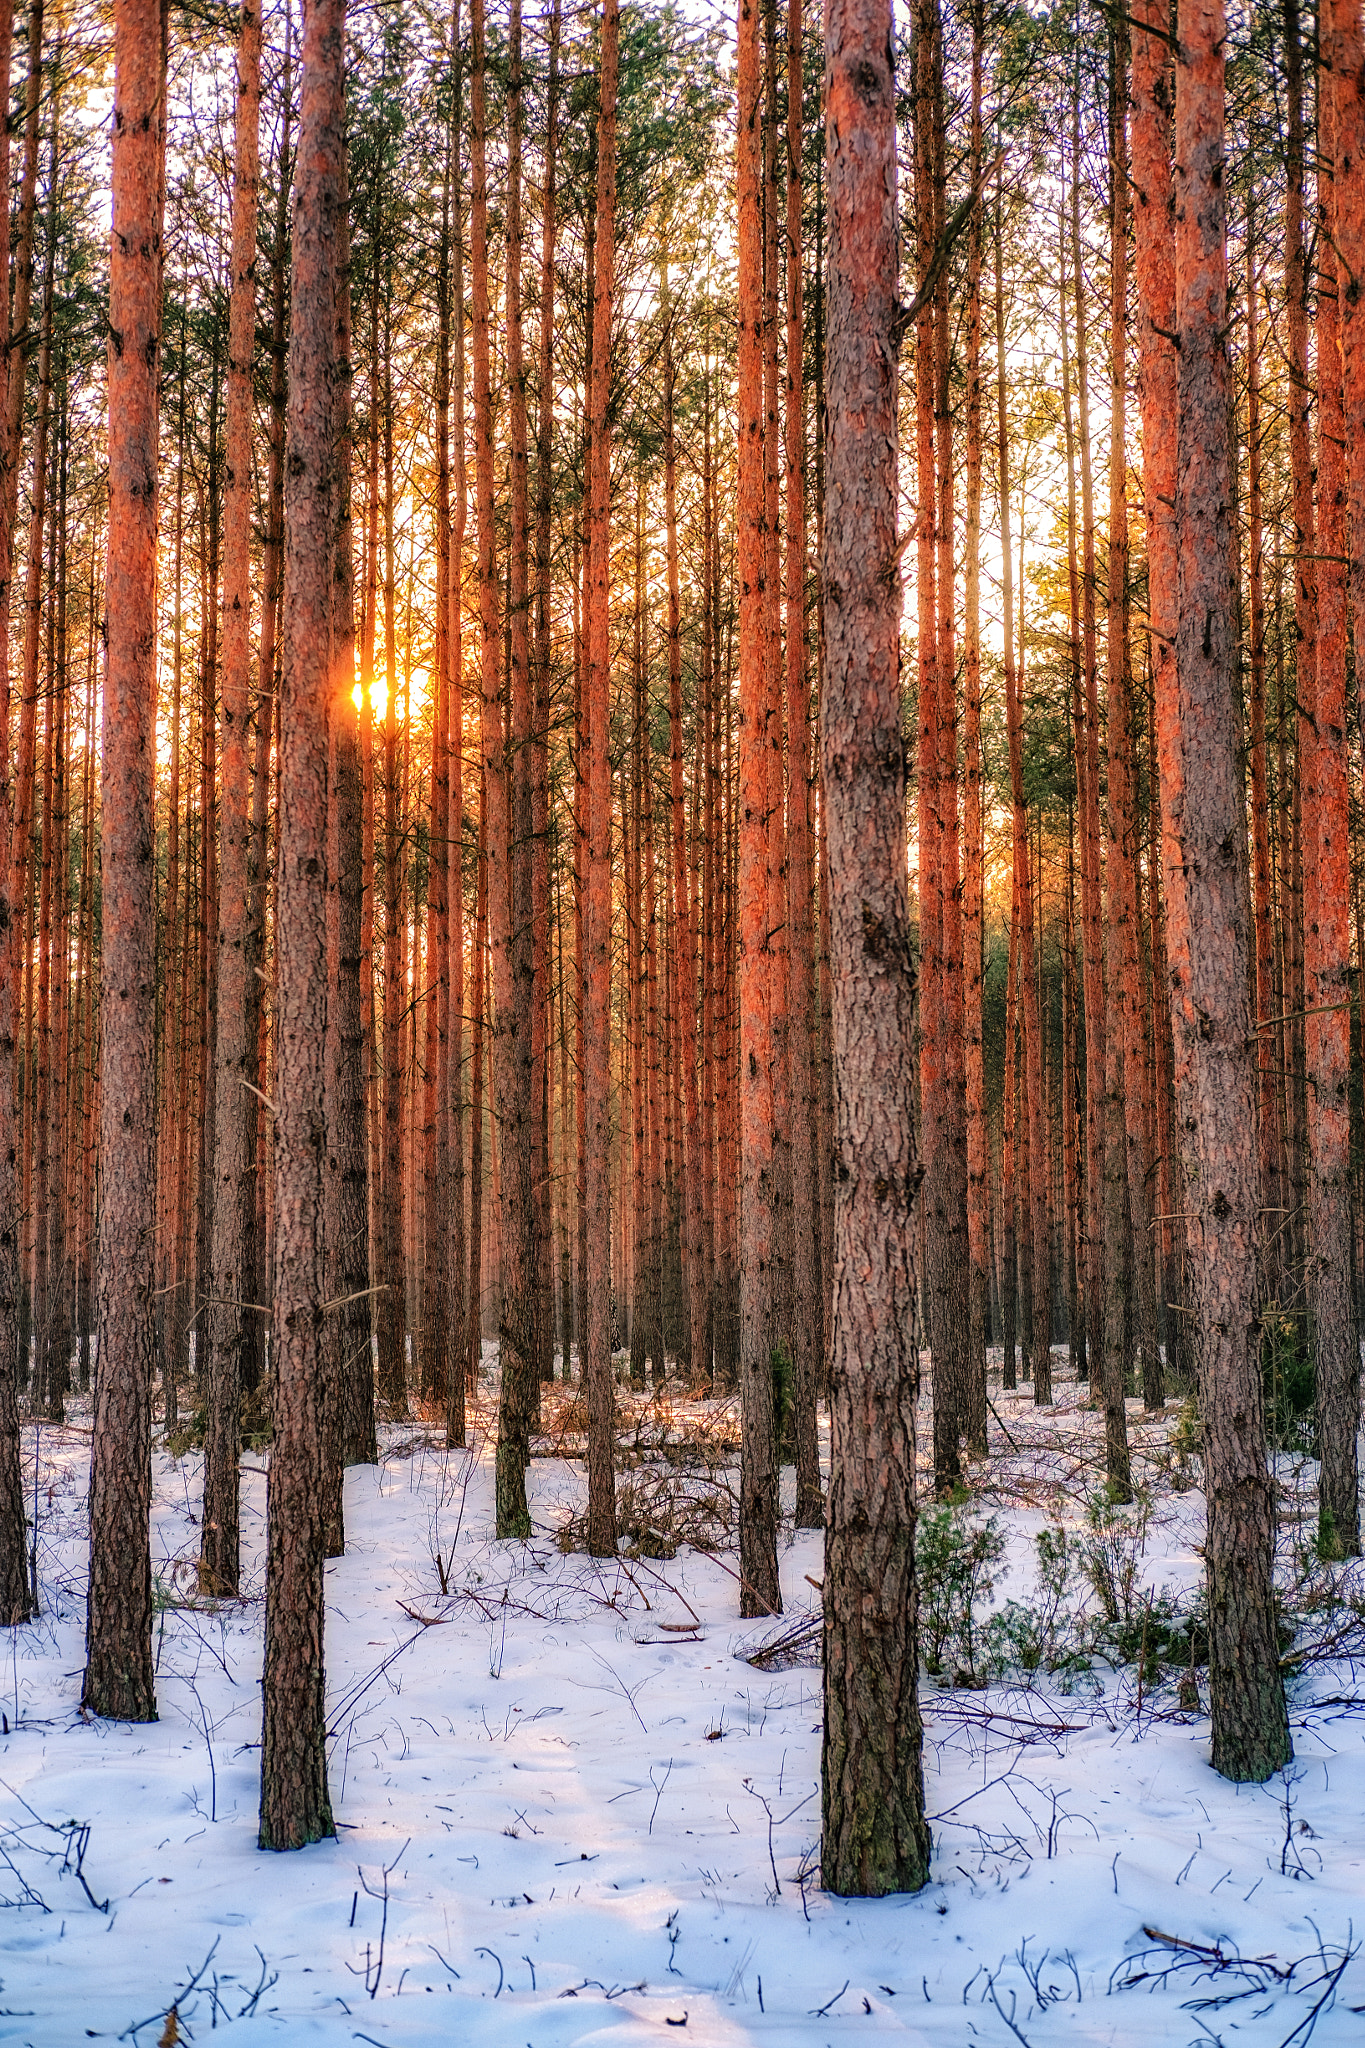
(956,1559)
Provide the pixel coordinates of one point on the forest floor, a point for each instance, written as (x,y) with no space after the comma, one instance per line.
(570,1811)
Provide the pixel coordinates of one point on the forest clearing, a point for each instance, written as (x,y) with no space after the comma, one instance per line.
(570,1811)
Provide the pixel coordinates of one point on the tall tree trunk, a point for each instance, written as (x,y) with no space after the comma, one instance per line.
(118,1681)
(759,1589)
(392,1295)
(1263,913)
(779,1305)
(457,1256)
(935,1106)
(1127,1243)
(597,919)
(1297,285)
(349,1374)
(1088,780)
(349,1255)
(295,1805)
(808,1352)
(1038,1325)
(234,1181)
(435,1330)
(14,315)
(1009,1124)
(256,1275)
(473,1348)
(875,1839)
(1204,822)
(978,1305)
(1326,894)
(38,1098)
(542,1009)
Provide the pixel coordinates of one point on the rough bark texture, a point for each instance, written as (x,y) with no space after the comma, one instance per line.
(933,1076)
(507,769)
(1207,948)
(457,1252)
(234,1194)
(1088,789)
(1126,1253)
(348,1385)
(597,919)
(978,1193)
(295,1806)
(808,1352)
(759,1591)
(1345,35)
(118,1671)
(875,1839)
(15,1598)
(1154,270)
(1267,1049)
(1327,899)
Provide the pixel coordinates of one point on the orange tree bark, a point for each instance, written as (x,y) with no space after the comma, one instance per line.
(543,1006)
(473,1346)
(1263,911)
(597,919)
(1297,274)
(1204,824)
(456,1251)
(875,1839)
(952,1290)
(295,1806)
(759,1590)
(694,1272)
(1154,269)
(779,1284)
(1035,1150)
(1075,729)
(1326,901)
(1127,1243)
(1346,49)
(933,1062)
(350,1373)
(40,609)
(14,318)
(978,1286)
(391,1301)
(508,770)
(808,1351)
(349,1255)
(257,1272)
(118,1671)
(1009,1241)
(1088,779)
(234,1186)
(435,1332)
(15,1596)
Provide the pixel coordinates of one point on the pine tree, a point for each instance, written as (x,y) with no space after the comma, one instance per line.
(875,1838)
(118,1671)
(295,1805)
(1207,946)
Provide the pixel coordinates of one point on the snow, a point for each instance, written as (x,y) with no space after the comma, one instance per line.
(596,1823)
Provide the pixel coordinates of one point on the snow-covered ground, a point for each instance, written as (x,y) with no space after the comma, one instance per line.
(570,1812)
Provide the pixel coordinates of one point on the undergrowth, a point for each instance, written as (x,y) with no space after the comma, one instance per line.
(1090,1606)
